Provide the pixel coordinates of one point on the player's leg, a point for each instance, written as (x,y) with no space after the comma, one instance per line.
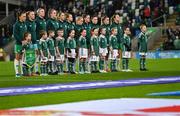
(25,70)
(37,59)
(17,60)
(81,71)
(124,64)
(101,64)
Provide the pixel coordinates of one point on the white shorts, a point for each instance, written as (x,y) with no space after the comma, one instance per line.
(45,59)
(61,58)
(126,54)
(72,54)
(52,58)
(94,58)
(114,54)
(83,53)
(142,53)
(103,51)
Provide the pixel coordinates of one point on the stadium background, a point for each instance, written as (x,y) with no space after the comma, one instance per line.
(163,22)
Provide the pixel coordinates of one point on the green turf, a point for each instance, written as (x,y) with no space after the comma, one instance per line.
(157,68)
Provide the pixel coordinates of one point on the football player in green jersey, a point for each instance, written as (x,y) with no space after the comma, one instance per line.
(60,51)
(19,28)
(52,23)
(126,49)
(106,24)
(143,42)
(28,56)
(78,27)
(113,46)
(83,52)
(40,22)
(40,26)
(102,49)
(44,52)
(52,52)
(116,24)
(63,24)
(94,22)
(31,28)
(87,27)
(94,50)
(71,52)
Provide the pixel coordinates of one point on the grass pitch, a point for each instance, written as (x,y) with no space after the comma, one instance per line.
(157,68)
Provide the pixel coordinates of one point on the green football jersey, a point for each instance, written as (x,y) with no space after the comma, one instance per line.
(31,28)
(78,29)
(87,27)
(19,28)
(108,31)
(60,44)
(44,47)
(102,41)
(40,26)
(119,33)
(82,42)
(94,25)
(52,24)
(95,45)
(29,54)
(126,46)
(71,43)
(142,40)
(51,46)
(113,42)
(63,25)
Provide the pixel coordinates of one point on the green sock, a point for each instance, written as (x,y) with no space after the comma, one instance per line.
(144,63)
(80,66)
(69,66)
(115,64)
(95,66)
(84,66)
(111,65)
(25,70)
(127,63)
(61,68)
(41,68)
(101,64)
(141,63)
(124,63)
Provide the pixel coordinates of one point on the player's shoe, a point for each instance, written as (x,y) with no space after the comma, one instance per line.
(129,70)
(81,72)
(37,73)
(87,72)
(18,75)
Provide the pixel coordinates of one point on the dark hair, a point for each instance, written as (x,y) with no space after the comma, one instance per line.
(103,18)
(100,30)
(42,32)
(50,11)
(60,29)
(19,13)
(25,35)
(142,25)
(50,31)
(81,30)
(70,31)
(28,12)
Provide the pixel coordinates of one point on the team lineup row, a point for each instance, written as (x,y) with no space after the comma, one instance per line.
(87,44)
